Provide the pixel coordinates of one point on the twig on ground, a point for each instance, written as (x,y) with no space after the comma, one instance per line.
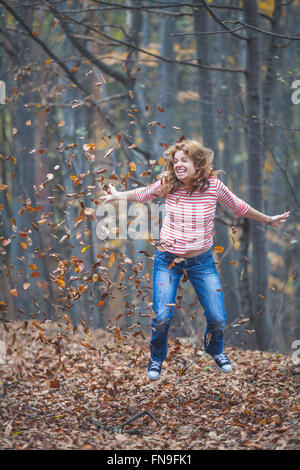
(189,364)
(119,428)
(129,420)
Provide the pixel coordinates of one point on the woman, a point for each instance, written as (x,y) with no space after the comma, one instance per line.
(191,188)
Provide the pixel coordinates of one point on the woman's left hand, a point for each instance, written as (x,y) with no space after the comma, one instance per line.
(275,220)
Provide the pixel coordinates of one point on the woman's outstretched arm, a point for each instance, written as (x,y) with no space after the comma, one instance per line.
(115,195)
(273,221)
(143,194)
(243,209)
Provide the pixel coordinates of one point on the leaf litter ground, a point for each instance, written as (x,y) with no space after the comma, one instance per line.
(67,389)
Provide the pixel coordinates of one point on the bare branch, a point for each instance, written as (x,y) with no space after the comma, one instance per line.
(117,6)
(281,36)
(282,169)
(121,77)
(42,44)
(221,22)
(207,32)
(78,103)
(119,41)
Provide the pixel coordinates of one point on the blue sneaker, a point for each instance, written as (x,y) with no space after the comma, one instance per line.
(154,369)
(223,363)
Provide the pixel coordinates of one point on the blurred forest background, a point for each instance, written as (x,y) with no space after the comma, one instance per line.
(95,93)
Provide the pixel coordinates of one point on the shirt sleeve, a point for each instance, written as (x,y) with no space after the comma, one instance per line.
(237,205)
(147,193)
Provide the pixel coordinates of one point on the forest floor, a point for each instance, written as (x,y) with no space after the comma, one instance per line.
(67,389)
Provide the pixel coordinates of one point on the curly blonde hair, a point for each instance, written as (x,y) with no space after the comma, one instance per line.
(202,158)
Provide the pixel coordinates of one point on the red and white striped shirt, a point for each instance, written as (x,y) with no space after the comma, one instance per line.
(188,221)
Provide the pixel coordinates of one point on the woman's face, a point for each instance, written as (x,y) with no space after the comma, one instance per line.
(184,167)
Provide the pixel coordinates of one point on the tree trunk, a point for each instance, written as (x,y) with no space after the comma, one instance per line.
(261,314)
(205,87)
(166,98)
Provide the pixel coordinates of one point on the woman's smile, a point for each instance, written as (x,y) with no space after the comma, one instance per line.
(184,167)
(180,172)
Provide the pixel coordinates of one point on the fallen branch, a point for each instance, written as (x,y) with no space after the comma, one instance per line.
(189,364)
(119,428)
(143,413)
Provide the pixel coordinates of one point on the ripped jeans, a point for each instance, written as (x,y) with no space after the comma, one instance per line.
(203,275)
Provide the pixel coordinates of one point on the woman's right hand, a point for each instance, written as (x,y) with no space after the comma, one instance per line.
(113,195)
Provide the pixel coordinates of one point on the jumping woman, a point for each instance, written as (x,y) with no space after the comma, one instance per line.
(190,185)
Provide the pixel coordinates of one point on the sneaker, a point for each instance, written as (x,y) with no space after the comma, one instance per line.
(154,369)
(223,363)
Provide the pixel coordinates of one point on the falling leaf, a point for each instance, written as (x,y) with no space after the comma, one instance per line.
(132,166)
(85,248)
(161,125)
(110,151)
(28,123)
(91,147)
(219,249)
(101,170)
(35,274)
(260,311)
(112,259)
(6,241)
(119,137)
(60,282)
(244,320)
(62,123)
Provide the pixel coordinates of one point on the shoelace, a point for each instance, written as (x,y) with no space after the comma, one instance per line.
(155,365)
(222,358)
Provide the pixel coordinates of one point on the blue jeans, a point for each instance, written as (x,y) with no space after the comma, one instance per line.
(202,273)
